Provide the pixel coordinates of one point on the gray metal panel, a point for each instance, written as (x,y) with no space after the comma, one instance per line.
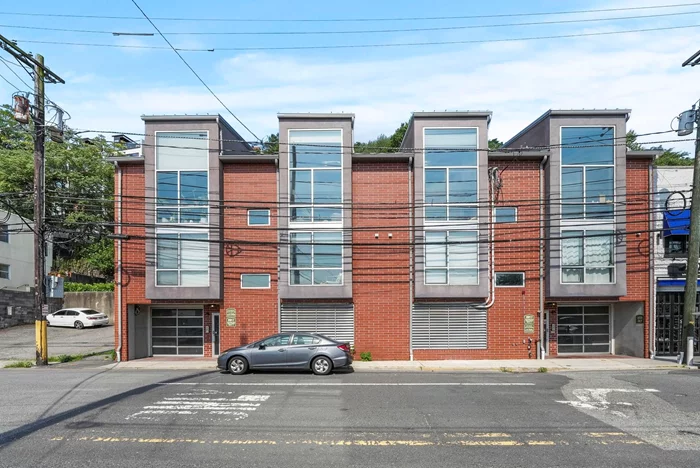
(448,326)
(335,321)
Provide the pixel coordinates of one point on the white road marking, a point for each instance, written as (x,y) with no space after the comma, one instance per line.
(357,384)
(192,404)
(596,399)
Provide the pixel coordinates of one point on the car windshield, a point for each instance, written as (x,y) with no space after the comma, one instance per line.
(90,312)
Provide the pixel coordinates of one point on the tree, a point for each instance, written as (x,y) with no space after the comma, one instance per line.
(79,192)
(272,144)
(668,157)
(383,143)
(495,144)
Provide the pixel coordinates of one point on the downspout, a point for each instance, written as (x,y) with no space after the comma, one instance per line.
(411,256)
(492,242)
(119,260)
(652,265)
(543,332)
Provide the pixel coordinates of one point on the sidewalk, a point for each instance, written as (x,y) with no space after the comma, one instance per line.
(506,365)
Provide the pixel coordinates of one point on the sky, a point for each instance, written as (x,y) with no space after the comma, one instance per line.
(109,88)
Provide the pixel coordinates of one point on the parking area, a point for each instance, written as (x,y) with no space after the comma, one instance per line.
(18,342)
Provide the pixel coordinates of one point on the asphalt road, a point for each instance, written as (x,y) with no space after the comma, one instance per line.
(19,342)
(91,416)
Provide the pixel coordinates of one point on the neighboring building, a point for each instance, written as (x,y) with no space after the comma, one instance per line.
(442,250)
(672,188)
(17,252)
(131,147)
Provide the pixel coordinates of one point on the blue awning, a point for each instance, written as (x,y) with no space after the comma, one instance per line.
(676,223)
(672,283)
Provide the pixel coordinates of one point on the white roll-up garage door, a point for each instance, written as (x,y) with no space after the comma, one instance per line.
(335,321)
(448,326)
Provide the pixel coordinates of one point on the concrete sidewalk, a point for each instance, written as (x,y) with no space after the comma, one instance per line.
(505,365)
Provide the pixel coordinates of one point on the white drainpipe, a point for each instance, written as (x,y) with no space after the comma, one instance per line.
(119,261)
(543,332)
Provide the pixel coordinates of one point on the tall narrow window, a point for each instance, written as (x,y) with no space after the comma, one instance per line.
(588,172)
(316,258)
(451,257)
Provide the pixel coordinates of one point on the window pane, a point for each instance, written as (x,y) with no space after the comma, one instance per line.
(510,279)
(301,277)
(328,256)
(255,281)
(599,249)
(435,186)
(194,252)
(433,213)
(435,249)
(572,192)
(462,213)
(464,277)
(599,142)
(166,252)
(334,214)
(166,278)
(572,248)
(599,275)
(300,186)
(505,215)
(4,271)
(194,278)
(433,276)
(463,186)
(445,141)
(465,252)
(315,148)
(327,187)
(166,188)
(301,215)
(572,275)
(193,215)
(301,255)
(4,233)
(182,150)
(258,217)
(328,276)
(193,188)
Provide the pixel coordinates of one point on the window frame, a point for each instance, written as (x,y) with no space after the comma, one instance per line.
(259,275)
(178,206)
(9,271)
(447,255)
(447,205)
(259,209)
(179,270)
(584,203)
(584,267)
(4,233)
(515,214)
(313,268)
(311,223)
(521,273)
(683,254)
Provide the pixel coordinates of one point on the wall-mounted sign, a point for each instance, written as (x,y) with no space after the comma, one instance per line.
(230,317)
(640,319)
(529,323)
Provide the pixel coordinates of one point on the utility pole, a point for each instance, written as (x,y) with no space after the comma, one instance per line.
(40,75)
(691,279)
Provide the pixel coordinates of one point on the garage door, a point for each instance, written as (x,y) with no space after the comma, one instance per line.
(336,321)
(448,326)
(177,332)
(583,329)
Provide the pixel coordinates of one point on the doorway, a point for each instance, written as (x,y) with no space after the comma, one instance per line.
(215,335)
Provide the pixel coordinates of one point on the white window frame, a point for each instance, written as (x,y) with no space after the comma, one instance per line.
(447,267)
(447,204)
(255,287)
(495,214)
(312,268)
(9,270)
(315,225)
(179,270)
(585,203)
(259,209)
(593,227)
(179,207)
(521,273)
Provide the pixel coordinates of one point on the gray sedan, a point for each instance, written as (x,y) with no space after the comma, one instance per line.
(295,350)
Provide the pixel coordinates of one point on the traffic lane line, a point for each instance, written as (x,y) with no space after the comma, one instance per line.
(355,384)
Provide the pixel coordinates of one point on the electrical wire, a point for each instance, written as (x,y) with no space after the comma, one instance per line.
(194,72)
(9,82)
(365,46)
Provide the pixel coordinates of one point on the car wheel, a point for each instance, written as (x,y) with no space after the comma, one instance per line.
(48,324)
(237,365)
(79,325)
(321,366)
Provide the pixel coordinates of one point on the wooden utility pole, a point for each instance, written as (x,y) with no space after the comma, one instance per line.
(40,75)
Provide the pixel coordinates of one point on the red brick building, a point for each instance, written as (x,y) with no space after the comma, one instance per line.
(441,250)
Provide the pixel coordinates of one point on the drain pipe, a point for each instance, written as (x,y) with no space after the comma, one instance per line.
(119,261)
(492,241)
(411,256)
(543,332)
(652,266)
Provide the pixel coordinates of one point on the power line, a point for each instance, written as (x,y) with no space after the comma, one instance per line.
(350,20)
(6,62)
(347,32)
(194,72)
(367,46)
(9,82)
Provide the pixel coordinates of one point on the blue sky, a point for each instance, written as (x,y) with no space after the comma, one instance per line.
(109,88)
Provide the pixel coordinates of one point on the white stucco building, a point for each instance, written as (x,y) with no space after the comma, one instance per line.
(17,253)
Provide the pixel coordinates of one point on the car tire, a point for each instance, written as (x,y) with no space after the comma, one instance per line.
(48,324)
(79,325)
(237,365)
(321,365)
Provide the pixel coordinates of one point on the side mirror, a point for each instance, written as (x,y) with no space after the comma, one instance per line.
(262,346)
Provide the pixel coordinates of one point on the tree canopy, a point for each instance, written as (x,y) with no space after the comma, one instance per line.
(668,157)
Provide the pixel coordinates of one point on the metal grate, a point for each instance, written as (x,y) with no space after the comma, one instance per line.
(448,326)
(669,323)
(335,321)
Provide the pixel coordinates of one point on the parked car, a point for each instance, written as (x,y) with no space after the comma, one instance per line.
(295,350)
(77,318)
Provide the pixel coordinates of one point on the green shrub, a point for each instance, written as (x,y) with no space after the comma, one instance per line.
(366,356)
(542,370)
(95,287)
(19,364)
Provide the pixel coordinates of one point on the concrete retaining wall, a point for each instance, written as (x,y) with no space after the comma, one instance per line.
(17,307)
(100,301)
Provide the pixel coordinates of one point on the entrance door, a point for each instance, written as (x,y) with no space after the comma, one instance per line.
(215,335)
(583,329)
(669,324)
(177,332)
